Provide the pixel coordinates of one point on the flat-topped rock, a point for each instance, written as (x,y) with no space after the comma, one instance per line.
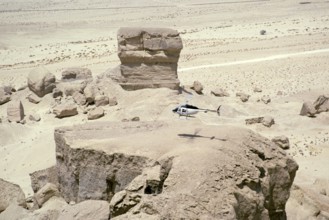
(234,172)
(148,57)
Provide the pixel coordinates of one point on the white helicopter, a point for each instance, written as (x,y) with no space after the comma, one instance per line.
(188,110)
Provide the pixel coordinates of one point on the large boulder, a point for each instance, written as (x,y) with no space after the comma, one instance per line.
(10,193)
(15,111)
(165,171)
(322,104)
(41,81)
(148,58)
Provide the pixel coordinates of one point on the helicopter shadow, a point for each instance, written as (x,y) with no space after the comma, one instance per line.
(191,137)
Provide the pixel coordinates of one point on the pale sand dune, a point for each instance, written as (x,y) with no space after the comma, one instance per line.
(223,48)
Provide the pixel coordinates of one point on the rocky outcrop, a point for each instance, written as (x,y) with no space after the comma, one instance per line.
(10,193)
(165,171)
(41,81)
(148,58)
(282,141)
(309,201)
(15,111)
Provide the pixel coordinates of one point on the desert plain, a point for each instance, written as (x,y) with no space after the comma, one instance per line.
(223,47)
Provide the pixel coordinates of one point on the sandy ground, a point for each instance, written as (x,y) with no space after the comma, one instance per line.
(223,48)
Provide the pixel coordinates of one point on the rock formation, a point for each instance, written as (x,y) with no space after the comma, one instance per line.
(223,172)
(15,111)
(148,57)
(41,81)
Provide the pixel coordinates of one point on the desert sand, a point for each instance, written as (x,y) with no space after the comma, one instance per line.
(223,48)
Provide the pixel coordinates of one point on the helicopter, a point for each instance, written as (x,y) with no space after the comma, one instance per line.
(188,110)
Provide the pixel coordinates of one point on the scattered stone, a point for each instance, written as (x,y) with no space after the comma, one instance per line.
(15,111)
(220,93)
(308,109)
(148,58)
(279,93)
(10,193)
(79,98)
(262,32)
(41,81)
(197,87)
(34,117)
(321,104)
(4,97)
(77,73)
(244,97)
(41,177)
(96,113)
(65,110)
(45,193)
(281,141)
(113,101)
(268,121)
(57,93)
(266,99)
(70,87)
(91,91)
(256,120)
(257,89)
(135,118)
(101,100)
(33,98)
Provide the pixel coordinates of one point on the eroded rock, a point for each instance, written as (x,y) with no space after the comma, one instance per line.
(95,113)
(45,193)
(15,111)
(33,98)
(197,87)
(307,109)
(243,96)
(243,176)
(282,141)
(41,81)
(148,58)
(65,110)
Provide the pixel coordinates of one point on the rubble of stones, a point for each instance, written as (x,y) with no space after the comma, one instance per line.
(76,92)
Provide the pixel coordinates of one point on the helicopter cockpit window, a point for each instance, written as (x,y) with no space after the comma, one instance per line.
(183,110)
